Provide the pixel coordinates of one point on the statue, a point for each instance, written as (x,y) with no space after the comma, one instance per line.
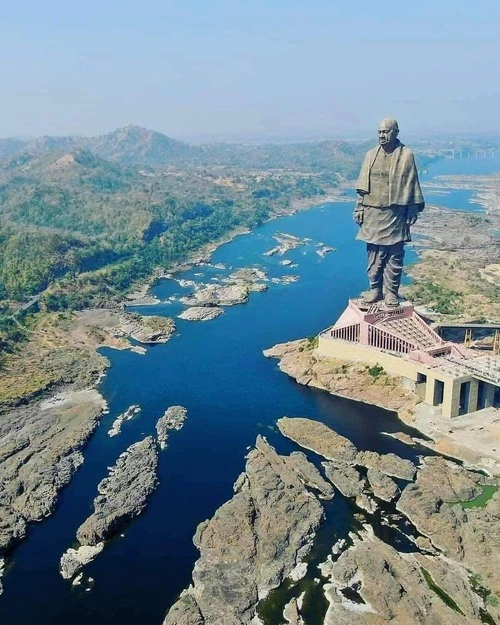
(388,203)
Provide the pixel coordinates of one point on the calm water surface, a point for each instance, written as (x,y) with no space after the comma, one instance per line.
(217,371)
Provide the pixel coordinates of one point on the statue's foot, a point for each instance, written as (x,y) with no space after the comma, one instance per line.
(374,295)
(391,300)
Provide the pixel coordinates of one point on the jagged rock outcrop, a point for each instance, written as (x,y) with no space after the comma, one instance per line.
(309,474)
(123,494)
(382,485)
(73,560)
(218,295)
(372,584)
(472,535)
(254,279)
(299,360)
(291,613)
(319,438)
(148,329)
(129,414)
(345,477)
(390,464)
(39,453)
(201,313)
(251,544)
(173,419)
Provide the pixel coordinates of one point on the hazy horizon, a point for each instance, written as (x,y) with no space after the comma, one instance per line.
(270,71)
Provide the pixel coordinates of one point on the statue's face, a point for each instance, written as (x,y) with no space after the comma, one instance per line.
(387,134)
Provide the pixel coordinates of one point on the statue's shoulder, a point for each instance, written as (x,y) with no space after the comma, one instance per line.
(372,153)
(405,149)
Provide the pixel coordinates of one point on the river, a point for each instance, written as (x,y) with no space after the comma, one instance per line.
(232,394)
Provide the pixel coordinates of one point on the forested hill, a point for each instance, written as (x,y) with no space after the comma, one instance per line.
(83,218)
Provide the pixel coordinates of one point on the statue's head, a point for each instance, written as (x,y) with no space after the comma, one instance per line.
(388,131)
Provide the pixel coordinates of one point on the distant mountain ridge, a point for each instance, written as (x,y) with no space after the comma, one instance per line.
(139,147)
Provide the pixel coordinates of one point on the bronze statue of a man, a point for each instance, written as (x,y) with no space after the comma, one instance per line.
(388,203)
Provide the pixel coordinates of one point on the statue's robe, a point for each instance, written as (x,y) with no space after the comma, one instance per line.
(388,189)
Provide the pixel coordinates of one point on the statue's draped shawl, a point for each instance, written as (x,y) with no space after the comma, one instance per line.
(404,187)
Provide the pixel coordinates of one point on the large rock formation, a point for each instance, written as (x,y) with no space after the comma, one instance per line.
(218,295)
(148,330)
(390,464)
(251,544)
(299,360)
(345,477)
(382,485)
(122,495)
(74,560)
(372,584)
(39,453)
(471,536)
(173,419)
(319,438)
(201,313)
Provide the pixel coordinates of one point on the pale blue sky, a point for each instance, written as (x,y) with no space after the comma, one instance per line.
(201,69)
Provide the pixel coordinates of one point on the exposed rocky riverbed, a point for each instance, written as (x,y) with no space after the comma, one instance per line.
(123,494)
(252,543)
(255,541)
(472,438)
(40,449)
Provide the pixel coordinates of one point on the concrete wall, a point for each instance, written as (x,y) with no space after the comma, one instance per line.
(400,366)
(394,365)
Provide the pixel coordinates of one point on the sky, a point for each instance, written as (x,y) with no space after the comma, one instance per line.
(231,70)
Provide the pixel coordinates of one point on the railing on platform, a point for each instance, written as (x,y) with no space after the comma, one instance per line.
(346,333)
(383,339)
(426,328)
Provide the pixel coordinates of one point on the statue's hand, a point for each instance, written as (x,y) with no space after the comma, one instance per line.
(411,216)
(358,216)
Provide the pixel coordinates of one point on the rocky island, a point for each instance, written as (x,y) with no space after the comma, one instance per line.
(252,543)
(173,419)
(122,496)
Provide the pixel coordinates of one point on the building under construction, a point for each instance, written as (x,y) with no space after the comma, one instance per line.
(443,373)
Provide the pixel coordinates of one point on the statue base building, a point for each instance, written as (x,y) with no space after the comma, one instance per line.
(443,373)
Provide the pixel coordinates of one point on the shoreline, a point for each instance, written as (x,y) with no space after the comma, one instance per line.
(205,252)
(80,397)
(469,439)
(51,396)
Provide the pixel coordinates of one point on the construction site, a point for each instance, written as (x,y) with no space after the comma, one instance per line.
(451,376)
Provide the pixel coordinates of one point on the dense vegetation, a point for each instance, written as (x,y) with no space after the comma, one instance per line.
(82,219)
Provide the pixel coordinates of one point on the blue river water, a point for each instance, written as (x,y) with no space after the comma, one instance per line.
(459,199)
(232,393)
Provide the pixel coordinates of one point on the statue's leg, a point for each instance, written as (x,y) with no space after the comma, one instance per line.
(392,273)
(376,258)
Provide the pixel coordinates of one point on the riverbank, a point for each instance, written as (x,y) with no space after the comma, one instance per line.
(40,450)
(472,439)
(458,252)
(55,369)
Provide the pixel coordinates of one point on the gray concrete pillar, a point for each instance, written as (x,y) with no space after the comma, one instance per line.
(430,391)
(451,399)
(489,395)
(473,395)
